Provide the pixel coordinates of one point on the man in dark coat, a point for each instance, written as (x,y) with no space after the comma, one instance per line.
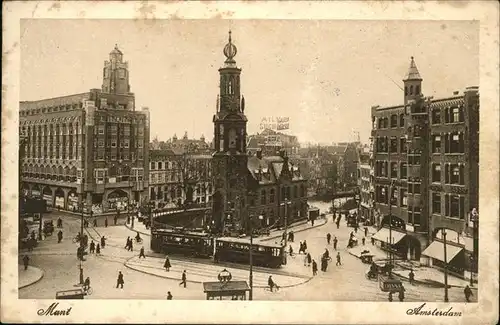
(103,241)
(411,277)
(328,238)
(59,223)
(115,219)
(119,281)
(127,244)
(95,222)
(106,222)
(271,284)
(184,279)
(167,264)
(98,249)
(314,267)
(467,293)
(401,294)
(92,247)
(309,259)
(26,260)
(169,296)
(59,236)
(366,231)
(141,253)
(338,260)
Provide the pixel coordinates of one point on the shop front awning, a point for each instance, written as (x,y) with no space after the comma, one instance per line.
(383,235)
(436,250)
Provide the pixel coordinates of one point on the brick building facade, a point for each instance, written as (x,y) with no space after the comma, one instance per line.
(89,147)
(426,165)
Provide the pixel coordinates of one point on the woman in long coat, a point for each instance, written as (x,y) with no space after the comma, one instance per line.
(167,264)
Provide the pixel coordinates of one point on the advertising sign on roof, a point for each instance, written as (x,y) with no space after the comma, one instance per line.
(275,123)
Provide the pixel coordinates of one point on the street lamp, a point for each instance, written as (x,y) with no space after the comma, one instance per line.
(285,203)
(443,232)
(474,218)
(250,297)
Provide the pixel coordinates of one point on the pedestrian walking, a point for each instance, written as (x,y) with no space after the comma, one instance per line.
(314,267)
(167,264)
(356,227)
(106,222)
(324,264)
(411,277)
(373,241)
(309,259)
(290,250)
(98,249)
(328,238)
(184,279)
(272,284)
(467,293)
(59,236)
(26,260)
(305,246)
(131,245)
(59,223)
(127,243)
(338,222)
(86,223)
(312,222)
(169,296)
(103,241)
(366,231)
(119,280)
(401,294)
(115,219)
(363,241)
(301,247)
(339,262)
(95,222)
(335,241)
(141,253)
(128,221)
(390,296)
(92,247)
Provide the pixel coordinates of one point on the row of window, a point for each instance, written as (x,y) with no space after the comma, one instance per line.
(53,152)
(395,121)
(191,163)
(100,154)
(454,205)
(122,129)
(453,143)
(51,109)
(384,144)
(397,197)
(451,115)
(101,175)
(382,166)
(454,174)
(52,130)
(112,143)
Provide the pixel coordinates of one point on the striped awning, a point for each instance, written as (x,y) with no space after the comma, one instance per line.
(383,235)
(436,250)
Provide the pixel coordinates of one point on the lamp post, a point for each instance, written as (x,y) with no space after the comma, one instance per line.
(474,217)
(285,204)
(250,296)
(443,232)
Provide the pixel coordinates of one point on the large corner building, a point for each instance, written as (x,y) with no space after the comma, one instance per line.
(87,150)
(426,166)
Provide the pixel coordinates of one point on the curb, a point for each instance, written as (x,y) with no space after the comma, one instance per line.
(296,231)
(200,282)
(432,284)
(37,280)
(132,229)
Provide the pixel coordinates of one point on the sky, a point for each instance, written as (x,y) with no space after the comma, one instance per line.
(325,75)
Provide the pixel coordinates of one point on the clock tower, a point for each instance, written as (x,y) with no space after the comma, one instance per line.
(230,157)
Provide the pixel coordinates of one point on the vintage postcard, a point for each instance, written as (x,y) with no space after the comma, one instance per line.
(250,162)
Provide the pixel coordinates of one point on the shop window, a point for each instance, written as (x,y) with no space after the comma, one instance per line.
(436,143)
(436,116)
(436,203)
(436,172)
(394,145)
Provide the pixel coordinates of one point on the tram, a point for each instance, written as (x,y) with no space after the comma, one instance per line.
(172,241)
(237,250)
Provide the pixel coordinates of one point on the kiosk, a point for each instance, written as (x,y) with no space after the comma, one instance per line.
(225,289)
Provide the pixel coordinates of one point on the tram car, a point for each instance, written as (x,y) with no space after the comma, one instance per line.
(236,250)
(187,243)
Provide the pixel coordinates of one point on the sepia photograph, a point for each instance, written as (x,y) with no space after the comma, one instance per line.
(280,160)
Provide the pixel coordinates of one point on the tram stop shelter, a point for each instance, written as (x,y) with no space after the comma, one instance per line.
(222,290)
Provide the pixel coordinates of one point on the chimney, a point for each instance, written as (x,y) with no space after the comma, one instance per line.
(456,92)
(259,153)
